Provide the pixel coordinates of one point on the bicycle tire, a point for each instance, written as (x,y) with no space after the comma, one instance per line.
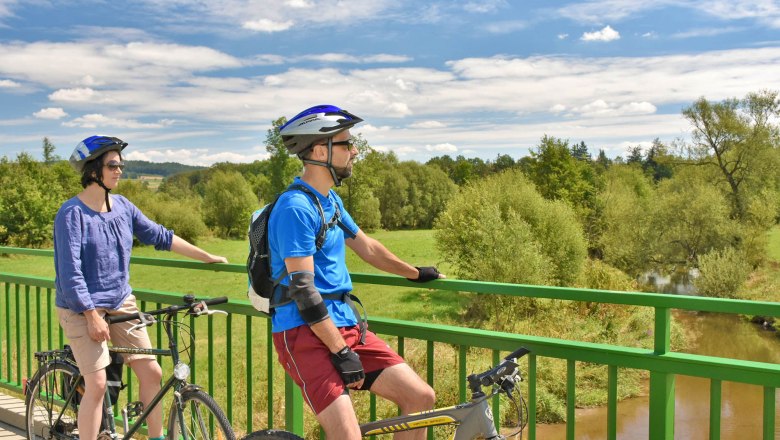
(271,434)
(196,407)
(44,402)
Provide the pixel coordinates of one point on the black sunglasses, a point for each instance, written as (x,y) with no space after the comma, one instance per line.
(347,143)
(114,165)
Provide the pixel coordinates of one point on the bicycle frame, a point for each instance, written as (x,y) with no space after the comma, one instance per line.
(472,419)
(177,381)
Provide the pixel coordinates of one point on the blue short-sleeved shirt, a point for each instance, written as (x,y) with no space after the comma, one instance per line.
(92,252)
(292,230)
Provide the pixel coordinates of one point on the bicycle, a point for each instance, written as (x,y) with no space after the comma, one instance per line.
(472,420)
(52,395)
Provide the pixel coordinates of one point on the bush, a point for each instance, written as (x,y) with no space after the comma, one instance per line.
(722,273)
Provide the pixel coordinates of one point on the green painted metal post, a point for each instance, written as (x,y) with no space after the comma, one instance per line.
(229,354)
(429,356)
(769,413)
(293,407)
(612,397)
(249,393)
(715,400)
(496,400)
(269,337)
(532,396)
(662,384)
(571,401)
(462,373)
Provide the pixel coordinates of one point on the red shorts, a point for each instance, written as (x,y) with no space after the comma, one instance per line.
(306,359)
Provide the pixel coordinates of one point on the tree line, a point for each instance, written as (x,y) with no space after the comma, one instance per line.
(677,205)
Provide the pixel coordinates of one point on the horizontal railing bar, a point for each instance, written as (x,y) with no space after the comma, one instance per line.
(682,302)
(757,373)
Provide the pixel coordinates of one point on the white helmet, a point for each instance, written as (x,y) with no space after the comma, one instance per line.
(313,124)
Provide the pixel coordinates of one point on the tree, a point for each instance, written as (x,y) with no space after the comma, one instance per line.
(228,203)
(48,152)
(503,162)
(738,138)
(279,169)
(580,152)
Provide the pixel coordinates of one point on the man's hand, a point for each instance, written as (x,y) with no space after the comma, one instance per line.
(425,274)
(348,364)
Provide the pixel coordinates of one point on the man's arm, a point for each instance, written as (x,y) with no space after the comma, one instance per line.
(377,255)
(324,329)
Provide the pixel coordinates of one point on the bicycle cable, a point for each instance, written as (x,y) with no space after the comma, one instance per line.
(521,409)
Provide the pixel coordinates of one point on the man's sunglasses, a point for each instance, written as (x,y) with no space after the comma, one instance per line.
(114,165)
(349,143)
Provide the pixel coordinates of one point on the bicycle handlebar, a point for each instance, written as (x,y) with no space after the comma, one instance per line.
(191,304)
(517,354)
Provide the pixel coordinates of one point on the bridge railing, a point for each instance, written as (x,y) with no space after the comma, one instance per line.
(239,366)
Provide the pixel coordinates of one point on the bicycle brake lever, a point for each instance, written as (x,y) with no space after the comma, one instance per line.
(202,309)
(146,321)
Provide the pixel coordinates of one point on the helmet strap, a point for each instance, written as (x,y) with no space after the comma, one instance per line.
(328,164)
(100,184)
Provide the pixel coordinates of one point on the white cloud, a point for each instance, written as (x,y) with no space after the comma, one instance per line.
(442,148)
(506,27)
(8,84)
(398,109)
(563,36)
(601,108)
(268,26)
(484,6)
(705,32)
(73,95)
(50,113)
(427,124)
(193,156)
(605,34)
(96,120)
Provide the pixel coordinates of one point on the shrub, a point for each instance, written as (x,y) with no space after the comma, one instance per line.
(722,273)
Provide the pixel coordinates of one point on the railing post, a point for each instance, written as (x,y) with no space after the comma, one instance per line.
(662,384)
(293,407)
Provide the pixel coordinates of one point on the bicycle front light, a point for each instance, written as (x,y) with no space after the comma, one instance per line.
(181,371)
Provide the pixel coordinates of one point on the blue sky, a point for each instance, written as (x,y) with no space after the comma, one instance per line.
(198,81)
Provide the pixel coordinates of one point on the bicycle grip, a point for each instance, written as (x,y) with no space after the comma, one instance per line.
(517,354)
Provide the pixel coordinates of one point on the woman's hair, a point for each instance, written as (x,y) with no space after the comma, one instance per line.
(93,170)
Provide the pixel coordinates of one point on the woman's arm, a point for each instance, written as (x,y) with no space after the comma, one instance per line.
(183,247)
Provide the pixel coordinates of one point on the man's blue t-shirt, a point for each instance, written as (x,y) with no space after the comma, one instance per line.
(292,230)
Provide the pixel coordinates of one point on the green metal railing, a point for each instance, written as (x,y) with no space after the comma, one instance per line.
(27,324)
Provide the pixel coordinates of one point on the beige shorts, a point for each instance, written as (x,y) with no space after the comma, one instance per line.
(92,355)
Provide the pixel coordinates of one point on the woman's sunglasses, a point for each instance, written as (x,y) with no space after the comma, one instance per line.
(114,165)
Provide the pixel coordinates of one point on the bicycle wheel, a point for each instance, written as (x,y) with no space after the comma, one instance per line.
(46,412)
(201,416)
(271,434)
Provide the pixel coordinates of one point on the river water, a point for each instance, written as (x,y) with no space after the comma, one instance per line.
(742,405)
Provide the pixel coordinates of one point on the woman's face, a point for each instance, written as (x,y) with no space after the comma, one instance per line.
(112,169)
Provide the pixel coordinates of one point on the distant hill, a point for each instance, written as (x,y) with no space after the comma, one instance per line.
(136,168)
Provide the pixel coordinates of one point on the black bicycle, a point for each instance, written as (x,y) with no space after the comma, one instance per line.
(53,394)
(472,419)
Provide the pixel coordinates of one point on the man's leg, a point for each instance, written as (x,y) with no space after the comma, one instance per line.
(149,374)
(401,385)
(339,420)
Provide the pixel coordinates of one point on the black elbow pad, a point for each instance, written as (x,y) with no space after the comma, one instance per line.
(307,298)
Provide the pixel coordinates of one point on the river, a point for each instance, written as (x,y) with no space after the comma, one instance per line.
(742,405)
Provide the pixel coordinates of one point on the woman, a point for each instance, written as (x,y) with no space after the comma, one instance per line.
(93,238)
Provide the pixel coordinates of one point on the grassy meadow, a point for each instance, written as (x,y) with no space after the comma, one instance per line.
(415,304)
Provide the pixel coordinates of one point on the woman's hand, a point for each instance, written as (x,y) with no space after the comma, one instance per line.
(97,327)
(215,259)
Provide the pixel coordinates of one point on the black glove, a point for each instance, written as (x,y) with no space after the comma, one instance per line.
(347,363)
(428,273)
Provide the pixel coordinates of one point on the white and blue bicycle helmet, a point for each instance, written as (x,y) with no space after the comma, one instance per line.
(90,149)
(314,124)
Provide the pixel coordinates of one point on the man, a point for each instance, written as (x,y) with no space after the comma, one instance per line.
(318,337)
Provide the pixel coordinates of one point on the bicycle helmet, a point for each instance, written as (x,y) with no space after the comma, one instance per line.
(314,124)
(91,148)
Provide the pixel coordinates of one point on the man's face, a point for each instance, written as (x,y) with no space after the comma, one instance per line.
(344,154)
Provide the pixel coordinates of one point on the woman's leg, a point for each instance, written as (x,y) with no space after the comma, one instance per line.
(149,374)
(91,406)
